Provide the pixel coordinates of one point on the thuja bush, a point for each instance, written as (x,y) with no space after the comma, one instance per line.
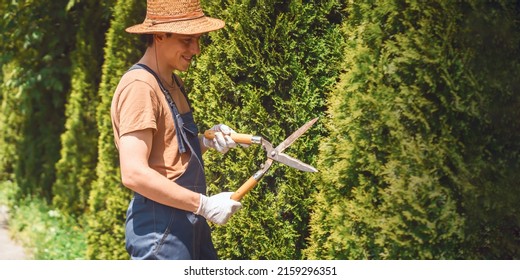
(109,198)
(266,73)
(74,170)
(423,135)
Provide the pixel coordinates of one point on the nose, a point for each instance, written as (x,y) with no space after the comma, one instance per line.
(195,47)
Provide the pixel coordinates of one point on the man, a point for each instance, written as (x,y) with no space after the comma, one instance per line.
(160,149)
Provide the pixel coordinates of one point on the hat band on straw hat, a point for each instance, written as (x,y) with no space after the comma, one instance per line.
(157,19)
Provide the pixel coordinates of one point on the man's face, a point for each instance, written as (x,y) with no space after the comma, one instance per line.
(178,50)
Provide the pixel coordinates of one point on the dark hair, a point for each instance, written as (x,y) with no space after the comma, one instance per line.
(147,39)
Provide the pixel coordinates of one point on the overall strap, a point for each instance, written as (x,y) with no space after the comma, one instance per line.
(177,119)
(183,90)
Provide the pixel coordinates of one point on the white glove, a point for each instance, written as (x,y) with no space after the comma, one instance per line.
(222,141)
(218,208)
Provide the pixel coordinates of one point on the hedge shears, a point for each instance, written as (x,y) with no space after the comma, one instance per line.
(273,154)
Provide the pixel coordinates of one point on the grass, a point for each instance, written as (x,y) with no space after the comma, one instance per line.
(45,232)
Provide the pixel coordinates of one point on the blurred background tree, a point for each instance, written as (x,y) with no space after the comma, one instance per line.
(37,39)
(79,154)
(109,198)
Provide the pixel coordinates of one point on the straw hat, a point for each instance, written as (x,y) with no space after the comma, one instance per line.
(175,16)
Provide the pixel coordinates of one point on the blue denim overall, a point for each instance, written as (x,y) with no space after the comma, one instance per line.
(156,231)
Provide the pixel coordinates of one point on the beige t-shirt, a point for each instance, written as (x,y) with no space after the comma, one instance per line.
(138,103)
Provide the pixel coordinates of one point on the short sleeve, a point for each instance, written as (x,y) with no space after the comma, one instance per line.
(137,108)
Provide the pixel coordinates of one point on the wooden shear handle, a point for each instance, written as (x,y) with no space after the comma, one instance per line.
(244,189)
(253,180)
(237,137)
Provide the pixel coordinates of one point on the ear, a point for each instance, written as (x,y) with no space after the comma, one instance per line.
(158,37)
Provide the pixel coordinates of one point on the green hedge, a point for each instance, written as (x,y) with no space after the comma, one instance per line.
(266,73)
(108,197)
(36,41)
(422,154)
(74,176)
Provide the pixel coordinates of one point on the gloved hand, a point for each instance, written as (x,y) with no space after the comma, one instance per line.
(218,208)
(222,142)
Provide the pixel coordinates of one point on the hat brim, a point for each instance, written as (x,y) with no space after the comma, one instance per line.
(188,27)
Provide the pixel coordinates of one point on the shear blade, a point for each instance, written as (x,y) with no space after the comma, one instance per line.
(289,140)
(294,163)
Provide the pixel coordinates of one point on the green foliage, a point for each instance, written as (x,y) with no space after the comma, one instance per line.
(420,139)
(109,198)
(47,233)
(266,73)
(492,151)
(8,190)
(44,232)
(36,40)
(74,175)
(9,123)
